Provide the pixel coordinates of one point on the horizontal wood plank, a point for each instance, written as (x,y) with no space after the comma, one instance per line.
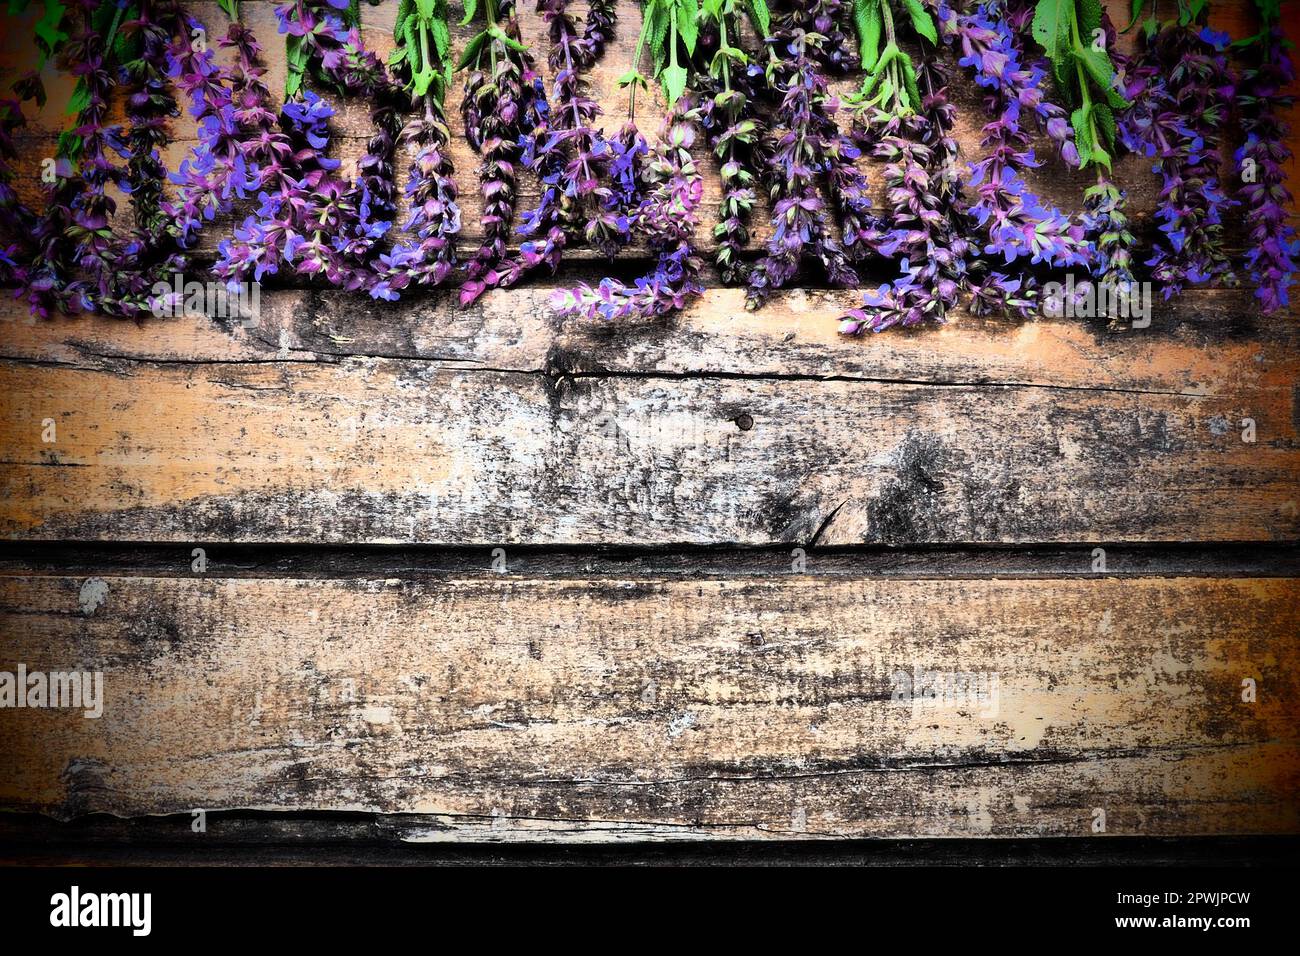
(396,450)
(1208,342)
(512,708)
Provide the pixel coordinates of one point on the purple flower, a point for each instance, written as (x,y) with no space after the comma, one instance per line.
(1271,258)
(666,218)
(1181,89)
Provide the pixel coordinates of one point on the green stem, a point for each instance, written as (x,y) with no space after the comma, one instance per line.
(1083,79)
(636,66)
(892,40)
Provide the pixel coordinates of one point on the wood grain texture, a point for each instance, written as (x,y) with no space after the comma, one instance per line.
(512,708)
(496,427)
(1054,181)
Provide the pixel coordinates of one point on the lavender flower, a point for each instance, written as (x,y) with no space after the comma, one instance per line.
(1271,260)
(990,41)
(1016,222)
(495,108)
(1181,89)
(804,131)
(666,217)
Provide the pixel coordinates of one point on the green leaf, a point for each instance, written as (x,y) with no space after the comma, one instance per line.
(80,98)
(230,7)
(411,46)
(657,30)
(1104,120)
(909,81)
(1089,14)
(688,27)
(441,37)
(1082,135)
(471,51)
(69,145)
(760,17)
(921,21)
(48,33)
(295,55)
(1052,22)
(471,8)
(866,14)
(1135,11)
(630,77)
(878,74)
(1102,71)
(674,81)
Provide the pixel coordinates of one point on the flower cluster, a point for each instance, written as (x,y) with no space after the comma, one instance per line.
(990,40)
(803,133)
(570,156)
(87,57)
(1016,222)
(499,90)
(17,221)
(1271,259)
(928,212)
(666,219)
(1181,88)
(948,230)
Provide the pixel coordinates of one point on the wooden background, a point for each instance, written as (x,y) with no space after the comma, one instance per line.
(653,664)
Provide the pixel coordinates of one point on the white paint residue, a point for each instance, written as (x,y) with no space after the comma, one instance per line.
(93,593)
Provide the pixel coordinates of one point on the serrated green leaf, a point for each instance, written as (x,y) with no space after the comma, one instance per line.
(410,46)
(441,37)
(866,15)
(674,82)
(471,51)
(688,27)
(760,17)
(471,8)
(1104,120)
(658,22)
(1082,135)
(1102,71)
(1051,28)
(427,9)
(1089,14)
(922,21)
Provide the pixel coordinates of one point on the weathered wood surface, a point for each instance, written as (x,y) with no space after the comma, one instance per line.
(512,708)
(665,693)
(1054,181)
(495,427)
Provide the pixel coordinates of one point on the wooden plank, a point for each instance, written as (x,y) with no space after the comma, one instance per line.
(515,708)
(1055,182)
(394,450)
(1206,343)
